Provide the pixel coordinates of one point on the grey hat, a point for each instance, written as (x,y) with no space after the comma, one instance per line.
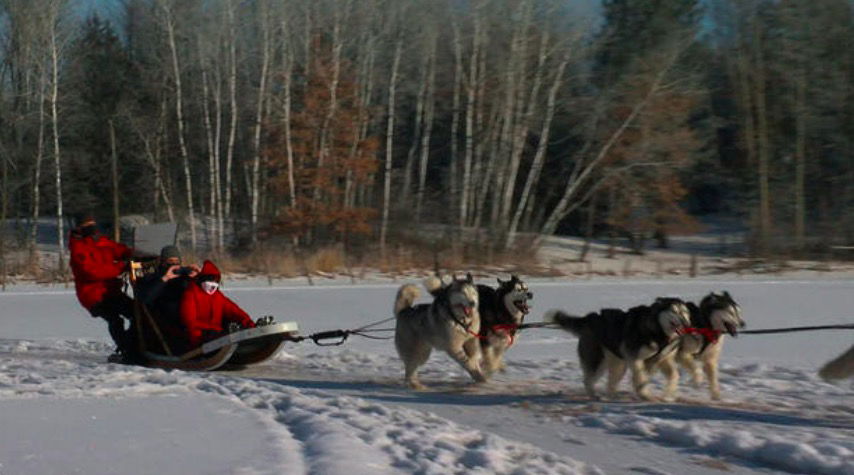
(169,251)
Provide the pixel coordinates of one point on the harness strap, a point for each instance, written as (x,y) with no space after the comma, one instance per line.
(466,327)
(710,335)
(508,329)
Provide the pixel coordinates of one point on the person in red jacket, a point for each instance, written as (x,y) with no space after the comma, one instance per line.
(204,308)
(97,262)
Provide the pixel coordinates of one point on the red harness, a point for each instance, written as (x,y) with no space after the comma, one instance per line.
(709,334)
(509,329)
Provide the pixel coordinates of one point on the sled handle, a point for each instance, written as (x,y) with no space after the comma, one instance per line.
(342,334)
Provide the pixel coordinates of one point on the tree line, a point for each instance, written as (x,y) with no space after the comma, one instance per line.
(359,121)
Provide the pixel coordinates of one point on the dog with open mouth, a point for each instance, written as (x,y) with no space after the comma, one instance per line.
(614,339)
(701,343)
(502,310)
(450,323)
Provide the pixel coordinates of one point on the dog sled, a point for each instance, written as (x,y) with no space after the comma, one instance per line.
(232,350)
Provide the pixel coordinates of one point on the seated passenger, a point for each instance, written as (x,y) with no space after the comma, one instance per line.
(205,311)
(161,292)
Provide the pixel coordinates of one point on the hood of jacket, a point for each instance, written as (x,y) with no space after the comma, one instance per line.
(210,271)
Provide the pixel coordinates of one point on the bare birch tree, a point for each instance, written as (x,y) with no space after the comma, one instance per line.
(266,54)
(389,141)
(55,12)
(169,24)
(583,170)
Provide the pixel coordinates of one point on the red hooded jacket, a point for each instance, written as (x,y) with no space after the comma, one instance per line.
(202,312)
(96,265)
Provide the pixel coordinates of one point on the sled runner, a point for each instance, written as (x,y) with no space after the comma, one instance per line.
(157,346)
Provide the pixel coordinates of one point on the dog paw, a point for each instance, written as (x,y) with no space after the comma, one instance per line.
(415,385)
(645,395)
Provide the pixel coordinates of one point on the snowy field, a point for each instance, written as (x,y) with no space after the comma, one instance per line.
(64,410)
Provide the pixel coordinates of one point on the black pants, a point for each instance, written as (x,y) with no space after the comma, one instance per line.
(112,309)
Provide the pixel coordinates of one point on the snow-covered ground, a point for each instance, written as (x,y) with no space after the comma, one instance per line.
(329,410)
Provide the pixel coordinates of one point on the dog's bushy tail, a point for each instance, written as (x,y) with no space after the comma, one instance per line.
(839,368)
(570,323)
(406,296)
(433,284)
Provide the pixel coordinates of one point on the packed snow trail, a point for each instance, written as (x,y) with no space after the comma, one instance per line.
(312,431)
(344,409)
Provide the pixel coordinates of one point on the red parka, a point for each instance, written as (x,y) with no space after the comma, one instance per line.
(202,312)
(96,265)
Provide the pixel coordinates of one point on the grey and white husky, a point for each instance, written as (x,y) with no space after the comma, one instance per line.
(502,310)
(450,323)
(613,339)
(716,315)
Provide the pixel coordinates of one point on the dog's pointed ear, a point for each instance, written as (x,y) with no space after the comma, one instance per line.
(469,278)
(514,278)
(500,282)
(727,295)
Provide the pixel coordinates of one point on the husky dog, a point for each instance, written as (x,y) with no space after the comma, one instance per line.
(839,368)
(450,323)
(716,315)
(613,338)
(501,311)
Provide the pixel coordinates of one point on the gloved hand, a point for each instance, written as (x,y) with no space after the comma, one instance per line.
(234,327)
(265,320)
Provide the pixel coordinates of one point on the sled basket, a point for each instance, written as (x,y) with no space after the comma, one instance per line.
(236,349)
(241,348)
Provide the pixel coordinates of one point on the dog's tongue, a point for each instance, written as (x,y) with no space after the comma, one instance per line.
(731,329)
(466,310)
(523,306)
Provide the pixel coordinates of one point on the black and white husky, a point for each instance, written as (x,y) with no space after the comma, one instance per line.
(717,314)
(450,323)
(613,339)
(501,311)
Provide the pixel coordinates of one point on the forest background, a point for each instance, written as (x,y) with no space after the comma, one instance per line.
(372,132)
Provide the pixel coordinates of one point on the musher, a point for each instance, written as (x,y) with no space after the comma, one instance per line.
(97,262)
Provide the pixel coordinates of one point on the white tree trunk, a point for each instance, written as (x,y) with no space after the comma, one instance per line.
(337,46)
(259,117)
(36,193)
(54,115)
(580,175)
(389,142)
(179,113)
(416,131)
(429,110)
(212,158)
(232,99)
(287,63)
(466,188)
(459,81)
(539,157)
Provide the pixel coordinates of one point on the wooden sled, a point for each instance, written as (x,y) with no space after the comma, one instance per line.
(237,349)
